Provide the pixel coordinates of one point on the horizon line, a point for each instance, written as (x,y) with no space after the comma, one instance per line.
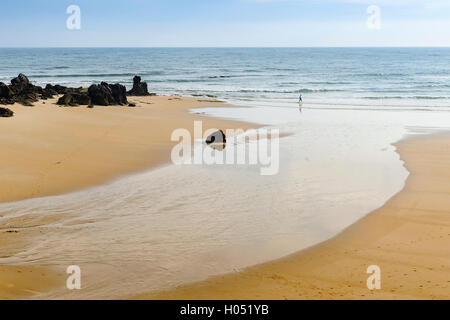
(209,47)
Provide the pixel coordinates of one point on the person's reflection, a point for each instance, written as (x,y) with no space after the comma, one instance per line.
(218,146)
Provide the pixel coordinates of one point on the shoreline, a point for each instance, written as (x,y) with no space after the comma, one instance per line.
(336,269)
(50,150)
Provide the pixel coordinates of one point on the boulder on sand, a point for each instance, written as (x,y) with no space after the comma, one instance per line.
(105,94)
(5,112)
(74,99)
(216,137)
(119,93)
(21,90)
(217,140)
(5,91)
(20,80)
(139,88)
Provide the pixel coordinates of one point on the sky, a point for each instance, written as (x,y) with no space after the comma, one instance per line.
(225,23)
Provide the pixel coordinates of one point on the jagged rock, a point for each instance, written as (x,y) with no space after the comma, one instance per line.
(5,112)
(22,91)
(105,94)
(119,93)
(5,91)
(6,95)
(26,103)
(74,99)
(65,100)
(27,98)
(46,95)
(216,137)
(100,94)
(7,101)
(20,80)
(139,88)
(81,98)
(56,89)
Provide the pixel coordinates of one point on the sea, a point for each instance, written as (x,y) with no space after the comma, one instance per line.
(173,225)
(338,77)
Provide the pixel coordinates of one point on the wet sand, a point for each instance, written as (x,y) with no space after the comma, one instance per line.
(408,238)
(49,150)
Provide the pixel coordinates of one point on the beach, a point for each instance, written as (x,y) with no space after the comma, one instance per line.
(359,175)
(49,150)
(407,238)
(246,151)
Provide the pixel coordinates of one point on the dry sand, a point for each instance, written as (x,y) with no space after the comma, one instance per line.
(408,238)
(48,150)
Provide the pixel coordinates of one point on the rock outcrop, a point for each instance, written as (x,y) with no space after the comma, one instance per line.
(56,89)
(139,88)
(74,99)
(105,94)
(5,112)
(119,93)
(5,91)
(22,91)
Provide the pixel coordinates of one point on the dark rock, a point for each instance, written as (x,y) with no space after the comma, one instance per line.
(91,106)
(119,93)
(20,80)
(139,88)
(5,112)
(5,91)
(100,94)
(7,101)
(217,137)
(74,99)
(56,89)
(104,94)
(27,98)
(26,103)
(65,100)
(47,95)
(22,91)
(81,98)
(25,93)
(132,105)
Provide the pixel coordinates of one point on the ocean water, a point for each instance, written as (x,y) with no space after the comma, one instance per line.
(330,77)
(177,224)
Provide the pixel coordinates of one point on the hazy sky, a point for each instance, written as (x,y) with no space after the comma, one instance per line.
(225,23)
